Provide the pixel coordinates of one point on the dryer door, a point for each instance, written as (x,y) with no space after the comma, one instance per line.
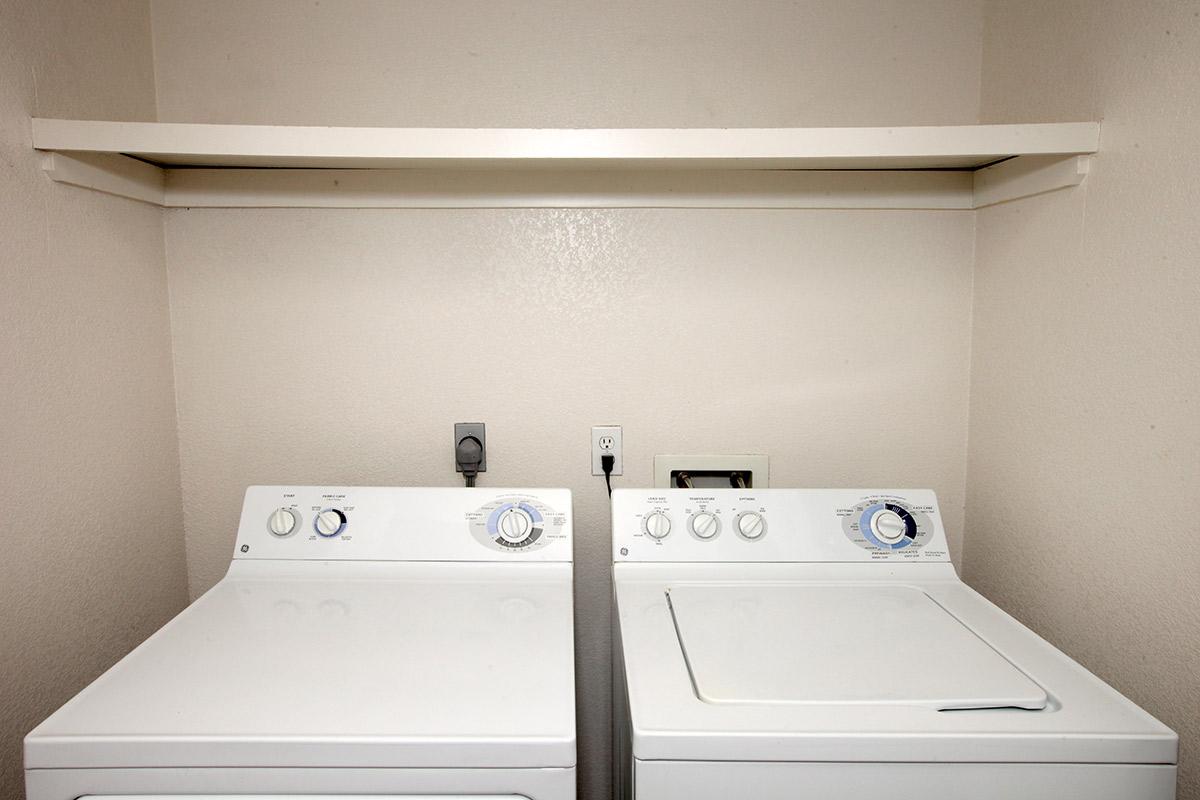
(839,644)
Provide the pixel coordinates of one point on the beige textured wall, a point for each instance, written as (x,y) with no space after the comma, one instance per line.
(336,346)
(1084,472)
(339,346)
(93,544)
(572,63)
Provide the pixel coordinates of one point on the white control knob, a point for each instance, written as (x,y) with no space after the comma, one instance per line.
(330,522)
(888,526)
(751,525)
(282,521)
(657,525)
(514,525)
(705,525)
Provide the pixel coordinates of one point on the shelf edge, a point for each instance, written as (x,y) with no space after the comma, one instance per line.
(962,146)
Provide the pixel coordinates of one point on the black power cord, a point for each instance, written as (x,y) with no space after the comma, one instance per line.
(607,461)
(469,455)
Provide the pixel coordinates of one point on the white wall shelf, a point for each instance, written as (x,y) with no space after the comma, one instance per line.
(143,160)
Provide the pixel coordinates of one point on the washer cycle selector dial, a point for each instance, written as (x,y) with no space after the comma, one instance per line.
(886,523)
(751,525)
(330,522)
(656,525)
(705,525)
(514,524)
(282,522)
(888,526)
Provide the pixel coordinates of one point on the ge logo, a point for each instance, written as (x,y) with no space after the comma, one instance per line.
(624,551)
(245,548)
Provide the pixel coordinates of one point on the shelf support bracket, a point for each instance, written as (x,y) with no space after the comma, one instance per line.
(112,174)
(1026,176)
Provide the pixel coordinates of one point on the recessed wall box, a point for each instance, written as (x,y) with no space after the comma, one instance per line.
(723,472)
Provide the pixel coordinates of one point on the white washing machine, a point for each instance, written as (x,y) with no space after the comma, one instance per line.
(365,641)
(793,644)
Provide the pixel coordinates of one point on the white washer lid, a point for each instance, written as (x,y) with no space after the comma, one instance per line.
(878,645)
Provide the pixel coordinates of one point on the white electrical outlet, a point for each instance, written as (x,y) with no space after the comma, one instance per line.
(606,439)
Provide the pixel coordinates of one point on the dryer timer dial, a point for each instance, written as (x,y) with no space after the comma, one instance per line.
(514,525)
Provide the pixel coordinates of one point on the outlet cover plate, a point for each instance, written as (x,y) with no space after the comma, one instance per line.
(475,429)
(606,438)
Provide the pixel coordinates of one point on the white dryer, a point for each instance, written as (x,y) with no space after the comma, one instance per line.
(793,644)
(365,641)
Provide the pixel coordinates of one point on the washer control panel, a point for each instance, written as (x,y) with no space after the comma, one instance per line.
(797,525)
(374,523)
(887,523)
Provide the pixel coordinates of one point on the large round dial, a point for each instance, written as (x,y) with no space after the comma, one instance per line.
(330,522)
(705,525)
(514,525)
(886,523)
(657,525)
(888,526)
(751,525)
(282,522)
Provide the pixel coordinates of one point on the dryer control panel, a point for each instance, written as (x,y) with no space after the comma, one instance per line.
(377,523)
(777,525)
